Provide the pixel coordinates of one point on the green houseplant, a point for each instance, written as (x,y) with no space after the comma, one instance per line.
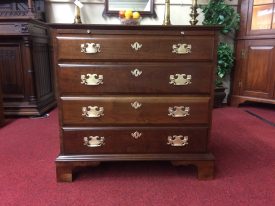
(225,62)
(217,12)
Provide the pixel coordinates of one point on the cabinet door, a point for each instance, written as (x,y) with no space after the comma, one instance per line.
(261,15)
(257,77)
(11,68)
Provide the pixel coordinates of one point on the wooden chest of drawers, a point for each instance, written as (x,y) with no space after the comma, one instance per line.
(134,93)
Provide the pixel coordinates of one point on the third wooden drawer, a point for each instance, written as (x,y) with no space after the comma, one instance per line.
(96,110)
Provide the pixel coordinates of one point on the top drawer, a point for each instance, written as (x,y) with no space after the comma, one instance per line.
(134,47)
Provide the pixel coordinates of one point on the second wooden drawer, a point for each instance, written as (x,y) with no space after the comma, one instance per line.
(173,78)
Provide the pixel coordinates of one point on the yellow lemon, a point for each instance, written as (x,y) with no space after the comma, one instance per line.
(136,15)
(128,14)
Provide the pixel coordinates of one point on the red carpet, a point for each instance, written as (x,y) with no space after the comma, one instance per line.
(244,147)
(266,113)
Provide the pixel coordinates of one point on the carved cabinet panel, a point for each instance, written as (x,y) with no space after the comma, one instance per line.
(23,9)
(258,73)
(25,63)
(11,69)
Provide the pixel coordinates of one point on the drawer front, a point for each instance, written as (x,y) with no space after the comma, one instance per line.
(134,110)
(134,140)
(184,78)
(134,47)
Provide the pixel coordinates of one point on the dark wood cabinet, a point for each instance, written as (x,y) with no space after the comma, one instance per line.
(258,73)
(25,64)
(2,119)
(134,93)
(254,75)
(23,9)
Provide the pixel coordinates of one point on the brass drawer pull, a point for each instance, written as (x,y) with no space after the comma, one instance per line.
(136,72)
(136,46)
(181,48)
(177,140)
(92,111)
(136,105)
(178,111)
(136,134)
(90,48)
(180,79)
(91,79)
(93,141)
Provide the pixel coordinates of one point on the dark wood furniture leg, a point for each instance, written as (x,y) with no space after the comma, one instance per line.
(65,170)
(66,165)
(205,167)
(205,170)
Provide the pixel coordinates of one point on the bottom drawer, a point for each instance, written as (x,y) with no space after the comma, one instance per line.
(143,140)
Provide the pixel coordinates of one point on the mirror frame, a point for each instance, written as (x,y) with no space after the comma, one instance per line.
(150,13)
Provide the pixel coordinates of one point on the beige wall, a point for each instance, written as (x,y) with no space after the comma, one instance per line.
(62,11)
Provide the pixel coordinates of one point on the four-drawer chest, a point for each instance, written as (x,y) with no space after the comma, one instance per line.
(134,93)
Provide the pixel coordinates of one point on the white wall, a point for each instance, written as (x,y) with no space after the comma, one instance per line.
(62,11)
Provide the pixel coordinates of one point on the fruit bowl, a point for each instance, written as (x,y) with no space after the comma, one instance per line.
(129,17)
(130,21)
